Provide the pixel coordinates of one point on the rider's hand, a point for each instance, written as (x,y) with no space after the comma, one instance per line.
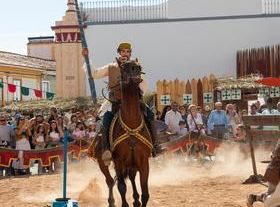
(85,52)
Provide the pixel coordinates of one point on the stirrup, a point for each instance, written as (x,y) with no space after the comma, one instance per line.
(107,157)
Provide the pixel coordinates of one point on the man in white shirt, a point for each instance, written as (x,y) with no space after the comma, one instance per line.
(173,118)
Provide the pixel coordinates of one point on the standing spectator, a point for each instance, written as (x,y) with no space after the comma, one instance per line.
(164,111)
(53,114)
(7,140)
(217,121)
(73,122)
(7,134)
(172,118)
(22,144)
(91,131)
(233,118)
(195,121)
(40,137)
(80,132)
(184,114)
(54,134)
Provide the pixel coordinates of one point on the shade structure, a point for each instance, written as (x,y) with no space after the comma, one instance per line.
(270,81)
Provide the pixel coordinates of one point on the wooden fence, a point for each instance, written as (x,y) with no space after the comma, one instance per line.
(264,61)
(199,92)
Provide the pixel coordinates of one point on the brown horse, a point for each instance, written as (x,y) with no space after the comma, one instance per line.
(129,139)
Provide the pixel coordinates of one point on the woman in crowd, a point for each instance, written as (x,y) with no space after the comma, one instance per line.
(22,143)
(73,122)
(233,119)
(80,132)
(54,134)
(40,137)
(91,131)
(195,121)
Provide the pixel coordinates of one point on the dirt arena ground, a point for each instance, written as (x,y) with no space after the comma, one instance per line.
(174,182)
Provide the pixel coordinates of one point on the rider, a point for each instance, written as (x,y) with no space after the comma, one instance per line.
(112,70)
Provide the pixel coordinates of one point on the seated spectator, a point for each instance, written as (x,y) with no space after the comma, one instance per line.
(254,110)
(277,110)
(183,130)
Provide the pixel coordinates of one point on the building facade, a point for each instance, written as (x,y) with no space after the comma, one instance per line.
(26,71)
(181,38)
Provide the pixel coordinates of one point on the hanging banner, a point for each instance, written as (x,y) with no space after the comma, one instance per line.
(274,92)
(236,94)
(226,95)
(187,98)
(208,97)
(165,100)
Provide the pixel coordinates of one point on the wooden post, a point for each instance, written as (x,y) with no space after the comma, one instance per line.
(252,152)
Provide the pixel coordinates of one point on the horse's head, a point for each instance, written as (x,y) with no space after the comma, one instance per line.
(131,72)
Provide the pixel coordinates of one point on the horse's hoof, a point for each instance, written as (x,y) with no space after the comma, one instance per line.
(112,205)
(250,200)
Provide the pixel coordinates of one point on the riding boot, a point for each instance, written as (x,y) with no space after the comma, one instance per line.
(156,149)
(106,153)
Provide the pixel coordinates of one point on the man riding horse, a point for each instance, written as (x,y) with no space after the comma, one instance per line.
(113,71)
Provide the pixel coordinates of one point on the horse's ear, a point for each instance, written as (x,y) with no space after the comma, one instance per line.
(136,60)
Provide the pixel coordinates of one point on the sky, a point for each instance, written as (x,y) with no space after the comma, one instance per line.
(20,19)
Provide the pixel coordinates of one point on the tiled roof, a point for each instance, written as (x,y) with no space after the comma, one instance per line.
(14,59)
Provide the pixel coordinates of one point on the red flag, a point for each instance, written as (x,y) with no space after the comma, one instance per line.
(12,88)
(38,93)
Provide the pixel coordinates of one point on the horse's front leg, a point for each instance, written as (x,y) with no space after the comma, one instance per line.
(122,188)
(109,181)
(132,175)
(144,176)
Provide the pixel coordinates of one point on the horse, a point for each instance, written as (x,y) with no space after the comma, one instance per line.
(130,140)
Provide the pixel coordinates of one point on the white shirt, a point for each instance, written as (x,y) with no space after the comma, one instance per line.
(198,120)
(172,119)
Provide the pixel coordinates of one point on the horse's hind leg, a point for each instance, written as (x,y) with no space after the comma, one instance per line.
(132,175)
(110,182)
(144,175)
(122,188)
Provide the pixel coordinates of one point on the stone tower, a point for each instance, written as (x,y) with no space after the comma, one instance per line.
(70,76)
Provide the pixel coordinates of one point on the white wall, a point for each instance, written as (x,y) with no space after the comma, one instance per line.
(183,50)
(29,83)
(206,8)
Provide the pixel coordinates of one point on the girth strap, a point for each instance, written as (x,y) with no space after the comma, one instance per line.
(128,132)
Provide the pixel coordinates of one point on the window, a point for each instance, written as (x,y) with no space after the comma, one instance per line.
(17,94)
(45,88)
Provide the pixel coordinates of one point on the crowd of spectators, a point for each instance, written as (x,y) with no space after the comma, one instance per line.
(223,122)
(37,131)
(29,131)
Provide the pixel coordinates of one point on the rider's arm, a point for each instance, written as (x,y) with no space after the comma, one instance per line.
(144,85)
(101,72)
